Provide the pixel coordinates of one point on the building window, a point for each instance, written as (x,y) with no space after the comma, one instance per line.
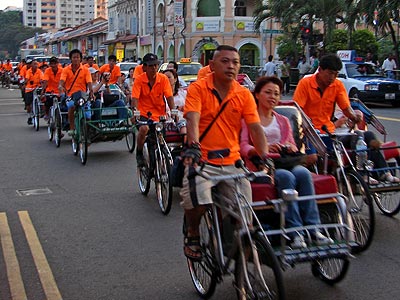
(208,8)
(240,8)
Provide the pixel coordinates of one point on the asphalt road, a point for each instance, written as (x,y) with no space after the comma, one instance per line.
(92,235)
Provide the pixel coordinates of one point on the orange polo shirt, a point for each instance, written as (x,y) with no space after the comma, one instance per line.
(152,99)
(52,80)
(8,67)
(81,81)
(22,71)
(115,73)
(92,66)
(33,80)
(138,71)
(320,108)
(203,72)
(225,132)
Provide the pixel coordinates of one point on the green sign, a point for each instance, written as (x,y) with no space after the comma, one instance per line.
(273,31)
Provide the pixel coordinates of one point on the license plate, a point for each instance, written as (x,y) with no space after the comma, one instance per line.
(390,96)
(108,111)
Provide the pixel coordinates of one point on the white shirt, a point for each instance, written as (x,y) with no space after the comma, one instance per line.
(273,132)
(389,65)
(269,69)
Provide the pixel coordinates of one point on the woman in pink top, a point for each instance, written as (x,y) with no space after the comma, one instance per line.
(278,131)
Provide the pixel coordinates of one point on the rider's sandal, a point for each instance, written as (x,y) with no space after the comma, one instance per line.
(191,247)
(389,177)
(371,180)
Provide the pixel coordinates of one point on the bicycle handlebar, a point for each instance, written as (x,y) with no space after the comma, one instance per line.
(250,175)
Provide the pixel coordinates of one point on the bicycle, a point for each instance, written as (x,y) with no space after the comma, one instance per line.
(57,119)
(256,269)
(37,108)
(158,162)
(351,183)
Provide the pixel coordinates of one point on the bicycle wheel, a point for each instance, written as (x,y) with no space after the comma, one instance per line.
(259,275)
(130,137)
(388,202)
(50,125)
(163,182)
(83,141)
(203,273)
(334,269)
(143,173)
(57,125)
(36,113)
(360,206)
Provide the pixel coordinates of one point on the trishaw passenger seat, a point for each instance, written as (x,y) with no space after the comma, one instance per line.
(294,116)
(390,153)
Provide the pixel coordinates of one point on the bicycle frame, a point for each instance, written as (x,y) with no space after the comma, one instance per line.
(236,210)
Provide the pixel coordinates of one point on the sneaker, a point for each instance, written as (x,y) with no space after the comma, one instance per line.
(71,132)
(298,242)
(140,161)
(319,239)
(29,121)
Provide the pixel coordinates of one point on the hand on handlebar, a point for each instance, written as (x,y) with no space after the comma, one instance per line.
(192,155)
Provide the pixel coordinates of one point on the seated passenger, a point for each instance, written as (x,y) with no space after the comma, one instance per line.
(102,89)
(179,98)
(279,135)
(343,124)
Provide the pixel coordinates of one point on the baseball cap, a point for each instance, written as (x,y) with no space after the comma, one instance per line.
(150,59)
(28,61)
(92,70)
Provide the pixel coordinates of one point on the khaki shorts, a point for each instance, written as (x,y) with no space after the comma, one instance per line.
(197,191)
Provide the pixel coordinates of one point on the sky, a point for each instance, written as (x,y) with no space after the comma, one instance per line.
(5,3)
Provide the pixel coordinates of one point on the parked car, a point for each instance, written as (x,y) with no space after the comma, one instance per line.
(362,81)
(187,70)
(125,66)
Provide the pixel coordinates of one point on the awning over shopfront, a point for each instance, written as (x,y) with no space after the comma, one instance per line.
(122,39)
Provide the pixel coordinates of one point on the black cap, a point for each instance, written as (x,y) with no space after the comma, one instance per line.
(150,59)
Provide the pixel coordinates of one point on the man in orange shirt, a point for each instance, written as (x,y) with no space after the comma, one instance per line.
(90,63)
(138,71)
(51,79)
(203,72)
(148,92)
(8,66)
(112,69)
(22,72)
(317,94)
(33,80)
(220,147)
(75,82)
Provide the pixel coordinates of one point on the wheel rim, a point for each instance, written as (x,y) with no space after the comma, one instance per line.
(202,272)
(388,202)
(361,211)
(270,284)
(130,141)
(50,131)
(162,183)
(57,122)
(83,142)
(143,180)
(331,270)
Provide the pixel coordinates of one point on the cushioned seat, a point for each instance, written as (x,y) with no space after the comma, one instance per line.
(323,184)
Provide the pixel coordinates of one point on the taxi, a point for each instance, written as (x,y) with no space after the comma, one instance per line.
(187,70)
(362,81)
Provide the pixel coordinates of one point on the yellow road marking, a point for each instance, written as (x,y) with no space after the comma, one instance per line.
(388,119)
(15,282)
(45,274)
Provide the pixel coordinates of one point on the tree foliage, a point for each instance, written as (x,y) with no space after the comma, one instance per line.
(12,33)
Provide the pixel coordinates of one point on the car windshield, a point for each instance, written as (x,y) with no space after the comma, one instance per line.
(126,67)
(359,70)
(189,69)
